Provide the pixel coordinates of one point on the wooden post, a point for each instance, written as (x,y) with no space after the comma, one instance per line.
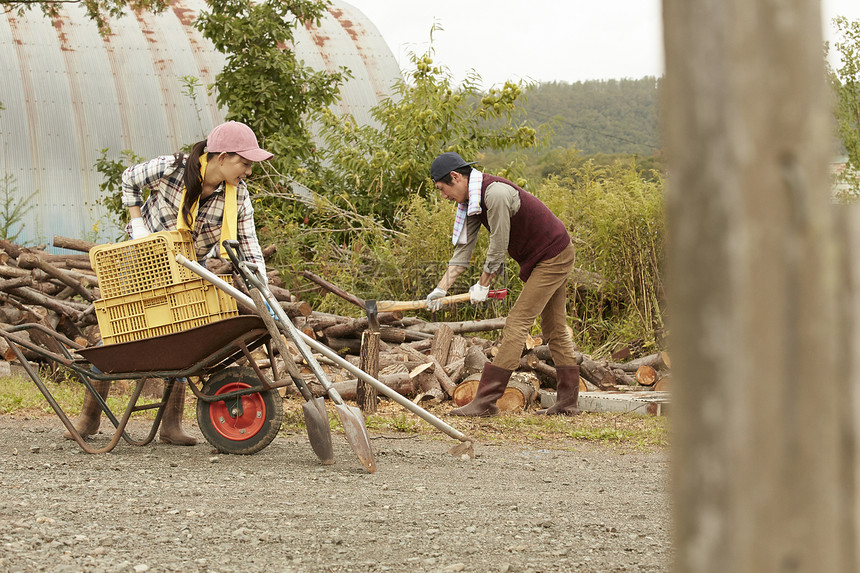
(365,394)
(763,439)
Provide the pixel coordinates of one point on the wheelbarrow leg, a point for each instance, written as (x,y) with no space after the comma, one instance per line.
(75,435)
(98,403)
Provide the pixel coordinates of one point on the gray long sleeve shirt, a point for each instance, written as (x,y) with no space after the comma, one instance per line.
(503,202)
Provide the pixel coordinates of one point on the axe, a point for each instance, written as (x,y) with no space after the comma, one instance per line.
(392,305)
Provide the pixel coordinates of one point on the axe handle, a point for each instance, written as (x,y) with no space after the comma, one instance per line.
(392,305)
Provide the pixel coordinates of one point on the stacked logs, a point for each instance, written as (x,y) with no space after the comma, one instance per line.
(428,362)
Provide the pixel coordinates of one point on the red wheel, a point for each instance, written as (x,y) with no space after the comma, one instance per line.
(243,425)
(238,421)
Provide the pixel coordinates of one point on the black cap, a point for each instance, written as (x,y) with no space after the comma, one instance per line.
(446,163)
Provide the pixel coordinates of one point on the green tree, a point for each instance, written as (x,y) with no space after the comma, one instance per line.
(378,167)
(263,83)
(97,10)
(846,82)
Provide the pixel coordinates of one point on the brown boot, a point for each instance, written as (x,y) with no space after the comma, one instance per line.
(88,422)
(567,395)
(490,388)
(171,424)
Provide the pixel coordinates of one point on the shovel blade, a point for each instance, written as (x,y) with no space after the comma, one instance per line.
(356,434)
(319,431)
(463,448)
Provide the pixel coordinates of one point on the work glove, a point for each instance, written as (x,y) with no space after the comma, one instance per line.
(433,302)
(478,293)
(138,228)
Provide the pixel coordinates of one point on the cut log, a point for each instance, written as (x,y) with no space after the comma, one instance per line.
(457,350)
(399,382)
(474,360)
(454,370)
(656,361)
(646,375)
(73,244)
(532,362)
(353,326)
(269,250)
(31,261)
(442,344)
(461,327)
(518,395)
(432,368)
(662,385)
(365,393)
(622,377)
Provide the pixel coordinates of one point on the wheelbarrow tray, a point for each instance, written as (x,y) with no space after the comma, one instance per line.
(179,351)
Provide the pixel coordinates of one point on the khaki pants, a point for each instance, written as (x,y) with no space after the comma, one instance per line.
(544,294)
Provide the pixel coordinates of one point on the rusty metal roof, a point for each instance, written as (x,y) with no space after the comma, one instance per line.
(69,93)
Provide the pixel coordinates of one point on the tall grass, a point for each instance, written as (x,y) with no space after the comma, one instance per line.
(616,219)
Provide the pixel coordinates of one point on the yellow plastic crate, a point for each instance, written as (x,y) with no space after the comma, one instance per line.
(142,264)
(162,311)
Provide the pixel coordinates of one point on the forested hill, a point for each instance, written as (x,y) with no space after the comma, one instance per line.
(611,116)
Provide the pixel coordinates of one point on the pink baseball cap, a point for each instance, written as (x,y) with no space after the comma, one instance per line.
(236,137)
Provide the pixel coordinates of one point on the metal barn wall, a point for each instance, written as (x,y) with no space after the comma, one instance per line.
(68,94)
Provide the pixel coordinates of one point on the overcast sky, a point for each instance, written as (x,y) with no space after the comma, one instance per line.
(537,40)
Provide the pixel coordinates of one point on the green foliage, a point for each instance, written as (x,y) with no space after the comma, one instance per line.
(602,120)
(111,187)
(379,167)
(605,116)
(191,87)
(846,83)
(12,209)
(616,219)
(262,83)
(97,10)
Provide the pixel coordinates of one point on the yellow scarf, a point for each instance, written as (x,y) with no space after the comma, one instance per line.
(229,222)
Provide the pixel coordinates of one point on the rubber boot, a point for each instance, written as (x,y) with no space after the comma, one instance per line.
(171,424)
(567,394)
(490,388)
(88,422)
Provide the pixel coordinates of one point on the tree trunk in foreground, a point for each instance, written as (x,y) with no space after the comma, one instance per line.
(763,461)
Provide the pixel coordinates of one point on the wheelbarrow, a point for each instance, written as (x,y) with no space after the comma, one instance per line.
(264,303)
(239,410)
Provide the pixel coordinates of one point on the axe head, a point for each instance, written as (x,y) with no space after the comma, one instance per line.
(498,294)
(372,315)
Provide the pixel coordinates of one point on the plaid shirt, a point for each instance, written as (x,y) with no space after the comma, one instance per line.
(160,212)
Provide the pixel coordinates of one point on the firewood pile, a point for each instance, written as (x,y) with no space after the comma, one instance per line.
(428,362)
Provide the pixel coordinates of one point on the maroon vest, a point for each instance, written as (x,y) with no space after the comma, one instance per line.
(536,233)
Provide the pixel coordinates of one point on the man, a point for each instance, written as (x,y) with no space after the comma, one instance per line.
(525,228)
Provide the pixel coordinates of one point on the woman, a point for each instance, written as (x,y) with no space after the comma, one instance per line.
(204,192)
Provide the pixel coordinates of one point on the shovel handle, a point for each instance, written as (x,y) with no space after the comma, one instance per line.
(392,305)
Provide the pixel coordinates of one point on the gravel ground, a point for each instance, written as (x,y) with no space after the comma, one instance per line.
(561,507)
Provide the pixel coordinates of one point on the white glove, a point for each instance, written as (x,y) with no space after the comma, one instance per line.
(478,293)
(138,228)
(433,302)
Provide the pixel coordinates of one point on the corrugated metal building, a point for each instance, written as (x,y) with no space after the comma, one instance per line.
(68,94)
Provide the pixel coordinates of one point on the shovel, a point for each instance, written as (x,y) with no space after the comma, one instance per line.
(316,417)
(466,445)
(351,417)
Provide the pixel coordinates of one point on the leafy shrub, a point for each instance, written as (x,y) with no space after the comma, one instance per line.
(616,219)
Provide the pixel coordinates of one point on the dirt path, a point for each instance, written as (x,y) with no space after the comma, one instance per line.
(562,507)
